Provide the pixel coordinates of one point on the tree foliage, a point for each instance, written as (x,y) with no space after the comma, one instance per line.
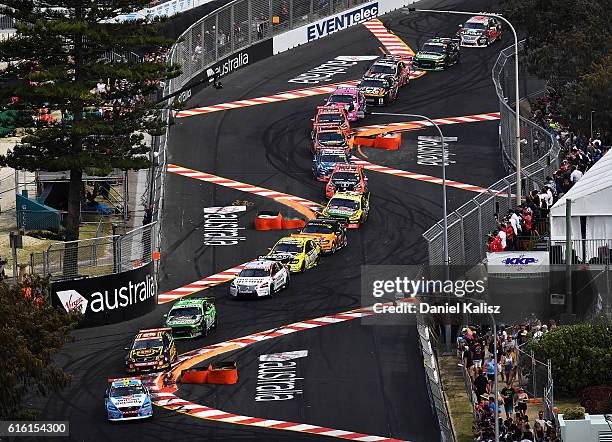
(569,45)
(61,51)
(31,332)
(581,355)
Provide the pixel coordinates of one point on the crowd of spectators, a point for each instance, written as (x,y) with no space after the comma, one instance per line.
(518,228)
(476,348)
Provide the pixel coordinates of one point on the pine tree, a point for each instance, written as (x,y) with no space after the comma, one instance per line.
(62,50)
(32,332)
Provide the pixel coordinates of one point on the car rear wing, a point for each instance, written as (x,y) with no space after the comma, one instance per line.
(131,378)
(151,330)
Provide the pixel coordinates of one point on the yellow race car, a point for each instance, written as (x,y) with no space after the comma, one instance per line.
(352,207)
(297,253)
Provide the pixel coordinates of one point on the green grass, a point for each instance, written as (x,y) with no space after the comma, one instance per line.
(458,402)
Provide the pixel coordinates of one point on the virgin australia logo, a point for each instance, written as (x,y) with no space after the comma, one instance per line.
(72,300)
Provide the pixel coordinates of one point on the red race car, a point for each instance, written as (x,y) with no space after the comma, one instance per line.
(330,138)
(346,178)
(480,31)
(331,117)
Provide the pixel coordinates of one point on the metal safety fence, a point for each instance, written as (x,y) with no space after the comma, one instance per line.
(434,382)
(98,256)
(535,377)
(470,223)
(241,24)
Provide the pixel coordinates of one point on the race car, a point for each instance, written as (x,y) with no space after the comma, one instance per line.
(152,350)
(330,138)
(326,159)
(331,117)
(391,66)
(262,277)
(329,232)
(379,90)
(437,54)
(480,31)
(352,207)
(127,399)
(299,254)
(352,99)
(346,178)
(192,317)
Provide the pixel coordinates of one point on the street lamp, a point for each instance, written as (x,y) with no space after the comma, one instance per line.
(519,183)
(592,112)
(444,221)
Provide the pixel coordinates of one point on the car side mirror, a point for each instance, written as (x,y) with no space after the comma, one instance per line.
(126,348)
(106,395)
(166,315)
(312,119)
(269,249)
(460,26)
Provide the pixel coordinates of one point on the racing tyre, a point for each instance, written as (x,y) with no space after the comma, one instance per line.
(204,331)
(272,290)
(215,321)
(303,268)
(317,260)
(334,248)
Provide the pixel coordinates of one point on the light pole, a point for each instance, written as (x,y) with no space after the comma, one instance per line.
(519,183)
(447,328)
(592,112)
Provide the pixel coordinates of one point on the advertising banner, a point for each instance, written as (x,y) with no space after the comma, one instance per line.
(227,65)
(518,262)
(111,298)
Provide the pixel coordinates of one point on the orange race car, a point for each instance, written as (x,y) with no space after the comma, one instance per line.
(346,178)
(328,232)
(330,138)
(331,117)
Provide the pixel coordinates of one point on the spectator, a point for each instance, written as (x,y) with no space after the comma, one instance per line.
(468,361)
(575,175)
(480,385)
(508,367)
(508,394)
(490,368)
(521,402)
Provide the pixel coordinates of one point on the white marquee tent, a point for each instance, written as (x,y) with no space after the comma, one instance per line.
(592,199)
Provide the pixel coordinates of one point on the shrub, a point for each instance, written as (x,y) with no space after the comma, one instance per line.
(573,413)
(596,400)
(581,355)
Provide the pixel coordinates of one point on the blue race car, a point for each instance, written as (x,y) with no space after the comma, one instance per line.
(325,160)
(127,399)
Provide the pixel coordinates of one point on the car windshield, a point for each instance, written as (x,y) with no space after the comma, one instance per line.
(184,312)
(345,176)
(331,138)
(253,273)
(331,118)
(288,248)
(433,49)
(332,158)
(341,98)
(147,343)
(382,69)
(317,228)
(126,390)
(471,25)
(373,83)
(343,203)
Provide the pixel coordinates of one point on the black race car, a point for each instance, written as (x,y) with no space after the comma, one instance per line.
(379,90)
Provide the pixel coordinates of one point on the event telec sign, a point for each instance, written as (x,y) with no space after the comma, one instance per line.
(111,298)
(341,21)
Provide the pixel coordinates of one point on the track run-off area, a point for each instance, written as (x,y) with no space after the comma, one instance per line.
(248,144)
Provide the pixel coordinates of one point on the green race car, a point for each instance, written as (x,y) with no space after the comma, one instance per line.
(192,317)
(437,54)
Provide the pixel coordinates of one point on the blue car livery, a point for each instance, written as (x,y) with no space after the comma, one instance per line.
(127,399)
(325,160)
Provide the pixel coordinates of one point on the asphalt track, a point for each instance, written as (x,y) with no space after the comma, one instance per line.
(357,378)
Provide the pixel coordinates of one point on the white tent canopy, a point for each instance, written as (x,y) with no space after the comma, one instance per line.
(591,198)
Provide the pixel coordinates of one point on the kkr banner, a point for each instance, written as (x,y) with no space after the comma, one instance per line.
(111,298)
(518,262)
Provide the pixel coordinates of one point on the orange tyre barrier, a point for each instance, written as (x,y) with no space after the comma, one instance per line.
(194,377)
(268,221)
(388,142)
(293,223)
(223,373)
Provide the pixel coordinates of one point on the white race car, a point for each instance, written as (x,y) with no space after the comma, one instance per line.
(262,277)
